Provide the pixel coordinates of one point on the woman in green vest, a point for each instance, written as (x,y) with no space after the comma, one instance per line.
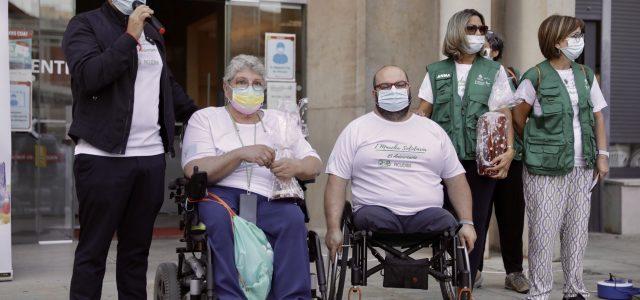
(455,93)
(564,151)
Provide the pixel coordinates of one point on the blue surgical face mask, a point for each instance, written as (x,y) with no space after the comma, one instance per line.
(126,6)
(393,99)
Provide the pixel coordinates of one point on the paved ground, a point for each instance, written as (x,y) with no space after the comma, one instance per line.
(43,271)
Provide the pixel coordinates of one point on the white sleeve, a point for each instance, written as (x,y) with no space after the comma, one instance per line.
(302,149)
(198,139)
(426,93)
(596,97)
(340,161)
(526,92)
(451,166)
(501,93)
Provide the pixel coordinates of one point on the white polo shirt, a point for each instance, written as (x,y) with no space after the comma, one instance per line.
(397,165)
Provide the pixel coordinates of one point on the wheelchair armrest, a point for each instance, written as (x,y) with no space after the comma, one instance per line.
(303,183)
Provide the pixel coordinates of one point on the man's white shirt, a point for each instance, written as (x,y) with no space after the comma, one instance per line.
(397,165)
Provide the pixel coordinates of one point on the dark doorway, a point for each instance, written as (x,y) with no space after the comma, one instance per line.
(195,44)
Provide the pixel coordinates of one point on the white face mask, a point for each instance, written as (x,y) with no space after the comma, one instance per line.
(393,99)
(126,6)
(574,48)
(486,53)
(475,42)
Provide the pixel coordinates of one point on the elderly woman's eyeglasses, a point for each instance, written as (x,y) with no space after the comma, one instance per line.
(387,86)
(243,84)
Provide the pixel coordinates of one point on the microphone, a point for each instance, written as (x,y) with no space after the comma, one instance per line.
(152,20)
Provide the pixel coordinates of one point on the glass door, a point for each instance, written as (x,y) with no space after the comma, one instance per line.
(247,21)
(42,157)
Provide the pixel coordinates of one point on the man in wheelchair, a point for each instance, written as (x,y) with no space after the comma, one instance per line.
(396,162)
(234,145)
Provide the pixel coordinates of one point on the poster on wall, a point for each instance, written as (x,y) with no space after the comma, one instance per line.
(280,93)
(280,56)
(22,61)
(21,105)
(20,66)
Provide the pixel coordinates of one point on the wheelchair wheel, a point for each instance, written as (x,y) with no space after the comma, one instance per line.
(446,267)
(338,272)
(166,285)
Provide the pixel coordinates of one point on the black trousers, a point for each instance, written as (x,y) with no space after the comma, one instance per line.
(482,188)
(508,201)
(116,195)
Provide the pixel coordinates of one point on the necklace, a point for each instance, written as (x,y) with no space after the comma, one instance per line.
(255,134)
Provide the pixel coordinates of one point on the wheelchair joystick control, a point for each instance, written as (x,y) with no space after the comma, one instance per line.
(196,187)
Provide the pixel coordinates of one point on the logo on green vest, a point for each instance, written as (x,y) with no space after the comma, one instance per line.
(482,81)
(443,76)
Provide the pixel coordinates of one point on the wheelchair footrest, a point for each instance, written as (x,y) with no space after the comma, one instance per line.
(405,273)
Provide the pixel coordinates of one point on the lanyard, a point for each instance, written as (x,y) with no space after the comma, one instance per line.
(255,126)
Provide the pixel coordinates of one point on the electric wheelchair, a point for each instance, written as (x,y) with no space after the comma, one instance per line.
(192,276)
(449,264)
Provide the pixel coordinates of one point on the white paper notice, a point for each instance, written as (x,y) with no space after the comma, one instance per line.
(20,101)
(279,93)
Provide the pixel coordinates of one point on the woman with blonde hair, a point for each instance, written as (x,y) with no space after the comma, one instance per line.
(564,151)
(455,93)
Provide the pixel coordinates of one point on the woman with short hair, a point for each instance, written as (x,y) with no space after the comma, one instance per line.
(455,93)
(235,145)
(564,148)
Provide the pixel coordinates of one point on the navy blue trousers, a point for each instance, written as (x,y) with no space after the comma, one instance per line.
(282,223)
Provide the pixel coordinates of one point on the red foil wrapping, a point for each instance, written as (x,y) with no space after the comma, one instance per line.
(492,140)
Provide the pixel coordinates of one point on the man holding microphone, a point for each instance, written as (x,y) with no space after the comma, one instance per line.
(125,105)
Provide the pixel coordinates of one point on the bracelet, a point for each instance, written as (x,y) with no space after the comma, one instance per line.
(603,152)
(466,222)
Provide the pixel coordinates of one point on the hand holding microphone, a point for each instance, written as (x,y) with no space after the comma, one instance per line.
(137,19)
(153,21)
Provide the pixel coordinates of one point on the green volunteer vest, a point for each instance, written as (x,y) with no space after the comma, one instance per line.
(548,138)
(459,117)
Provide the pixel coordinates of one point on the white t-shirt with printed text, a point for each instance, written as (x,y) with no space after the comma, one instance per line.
(527,92)
(397,165)
(211,133)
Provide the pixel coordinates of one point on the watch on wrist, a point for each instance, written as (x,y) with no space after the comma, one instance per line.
(466,222)
(603,152)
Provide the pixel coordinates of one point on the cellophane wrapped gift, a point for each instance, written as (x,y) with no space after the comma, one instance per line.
(287,132)
(492,140)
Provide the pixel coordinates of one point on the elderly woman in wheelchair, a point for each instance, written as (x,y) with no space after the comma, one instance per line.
(234,145)
(397,164)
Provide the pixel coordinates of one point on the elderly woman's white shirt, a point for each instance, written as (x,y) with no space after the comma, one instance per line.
(211,133)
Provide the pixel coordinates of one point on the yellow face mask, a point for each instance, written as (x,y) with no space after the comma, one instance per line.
(247,101)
